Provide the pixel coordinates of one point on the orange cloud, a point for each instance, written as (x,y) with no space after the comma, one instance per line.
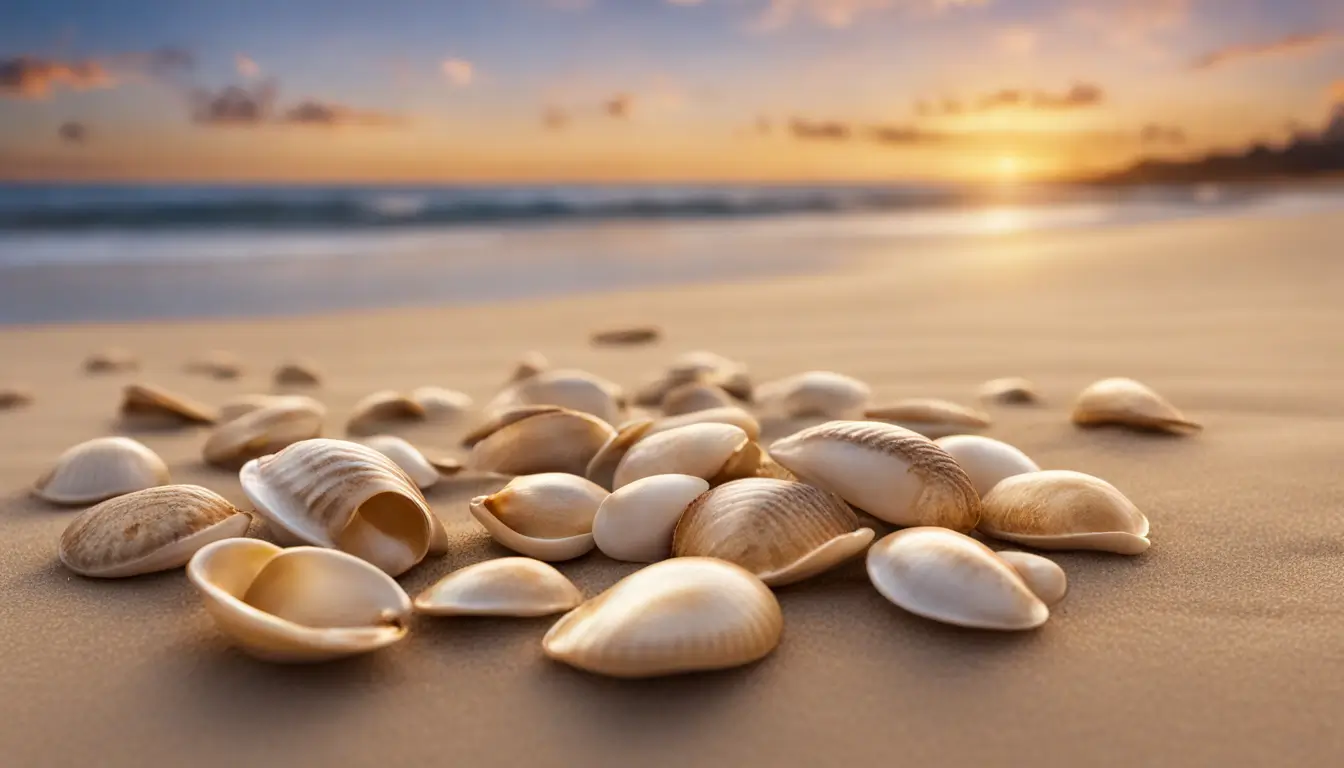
(1077,96)
(321,113)
(459,72)
(1018,40)
(246,66)
(1157,133)
(619,106)
(29,77)
(1291,44)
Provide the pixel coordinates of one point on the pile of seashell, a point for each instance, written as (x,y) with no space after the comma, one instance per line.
(686,485)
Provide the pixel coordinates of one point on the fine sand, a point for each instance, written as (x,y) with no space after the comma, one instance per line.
(1222,645)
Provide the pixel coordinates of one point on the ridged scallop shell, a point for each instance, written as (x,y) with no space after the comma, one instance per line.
(1129,403)
(407,456)
(682,615)
(1009,391)
(342,495)
(507,586)
(382,409)
(151,406)
(930,417)
(602,468)
(217,364)
(696,396)
(14,397)
(640,334)
(782,532)
(815,393)
(727,415)
(1043,576)
(111,359)
(1062,509)
(576,390)
(297,373)
(986,460)
(949,577)
(442,404)
(146,531)
(635,523)
(889,472)
(298,605)
(548,516)
(282,423)
(529,365)
(715,452)
(541,441)
(100,469)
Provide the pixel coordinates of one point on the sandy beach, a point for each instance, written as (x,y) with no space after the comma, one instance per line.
(1221,645)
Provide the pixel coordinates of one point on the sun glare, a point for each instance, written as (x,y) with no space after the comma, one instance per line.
(1009,167)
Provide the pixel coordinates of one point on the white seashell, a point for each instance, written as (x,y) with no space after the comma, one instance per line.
(715,452)
(1061,509)
(602,468)
(949,577)
(298,605)
(986,460)
(576,390)
(285,421)
(442,404)
(815,393)
(930,417)
(408,457)
(695,396)
(111,359)
(1043,576)
(1129,403)
(640,334)
(780,531)
(217,364)
(529,365)
(681,615)
(384,407)
(887,471)
(548,516)
(244,404)
(14,397)
(297,373)
(150,406)
(1009,391)
(146,531)
(635,523)
(99,469)
(346,496)
(532,441)
(727,415)
(507,586)
(697,367)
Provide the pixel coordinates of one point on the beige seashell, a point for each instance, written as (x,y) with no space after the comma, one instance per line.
(342,495)
(14,397)
(408,457)
(156,529)
(576,390)
(716,452)
(1009,391)
(727,415)
(284,422)
(548,516)
(949,577)
(986,460)
(815,393)
(697,367)
(442,404)
(889,472)
(380,409)
(148,405)
(503,419)
(529,365)
(1129,403)
(1043,576)
(640,334)
(930,417)
(507,586)
(298,605)
(100,469)
(110,360)
(444,465)
(696,396)
(635,523)
(682,615)
(297,373)
(217,364)
(244,404)
(782,532)
(602,468)
(541,441)
(1062,509)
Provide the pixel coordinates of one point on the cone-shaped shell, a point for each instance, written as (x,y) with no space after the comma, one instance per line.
(576,390)
(682,615)
(726,415)
(542,441)
(217,364)
(986,460)
(342,495)
(696,396)
(602,468)
(380,409)
(149,405)
(507,586)
(529,365)
(614,337)
(1061,509)
(716,452)
(949,577)
(783,532)
(635,523)
(298,605)
(887,471)
(1043,576)
(442,404)
(815,393)
(297,373)
(1009,391)
(99,469)
(930,417)
(282,423)
(408,457)
(151,530)
(111,359)
(1131,404)
(548,516)
(14,397)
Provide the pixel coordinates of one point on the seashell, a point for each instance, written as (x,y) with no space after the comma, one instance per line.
(1129,403)
(782,532)
(14,397)
(440,403)
(1009,391)
(217,364)
(640,334)
(716,452)
(986,460)
(635,523)
(148,405)
(815,393)
(1043,576)
(381,408)
(548,516)
(444,465)
(889,472)
(949,577)
(342,495)
(244,404)
(930,417)
(508,586)
(110,360)
(284,422)
(576,390)
(503,419)
(408,457)
(541,441)
(297,373)
(99,469)
(156,529)
(1061,509)
(298,605)
(727,415)
(682,615)
(529,365)
(602,468)
(696,396)
(697,367)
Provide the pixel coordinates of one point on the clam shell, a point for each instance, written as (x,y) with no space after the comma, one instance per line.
(244,404)
(1062,509)
(1129,403)
(100,469)
(815,393)
(507,586)
(727,415)
(217,364)
(111,359)
(146,531)
(442,404)
(889,472)
(1009,391)
(635,523)
(298,605)
(148,405)
(542,441)
(14,397)
(444,465)
(602,468)
(342,495)
(529,365)
(781,531)
(697,367)
(681,615)
(282,423)
(576,390)
(949,577)
(382,408)
(408,457)
(503,419)
(930,417)
(1043,576)
(548,516)
(986,460)
(640,334)
(297,373)
(696,396)
(715,452)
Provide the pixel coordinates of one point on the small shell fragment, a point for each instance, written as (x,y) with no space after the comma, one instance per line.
(284,422)
(297,373)
(146,405)
(1009,391)
(548,516)
(535,440)
(1043,576)
(408,457)
(640,334)
(815,393)
(14,397)
(381,409)
(986,460)
(529,365)
(1062,509)
(635,523)
(695,396)
(100,469)
(716,452)
(507,586)
(111,360)
(217,364)
(930,417)
(1131,404)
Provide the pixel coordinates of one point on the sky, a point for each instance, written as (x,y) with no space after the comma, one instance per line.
(651,90)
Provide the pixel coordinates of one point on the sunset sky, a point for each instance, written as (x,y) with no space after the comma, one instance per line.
(647,90)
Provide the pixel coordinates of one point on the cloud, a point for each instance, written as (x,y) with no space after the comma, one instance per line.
(619,106)
(1291,44)
(818,130)
(29,77)
(1076,96)
(1132,25)
(324,113)
(246,66)
(459,72)
(904,134)
(234,104)
(72,132)
(1018,40)
(839,14)
(1157,133)
(554,118)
